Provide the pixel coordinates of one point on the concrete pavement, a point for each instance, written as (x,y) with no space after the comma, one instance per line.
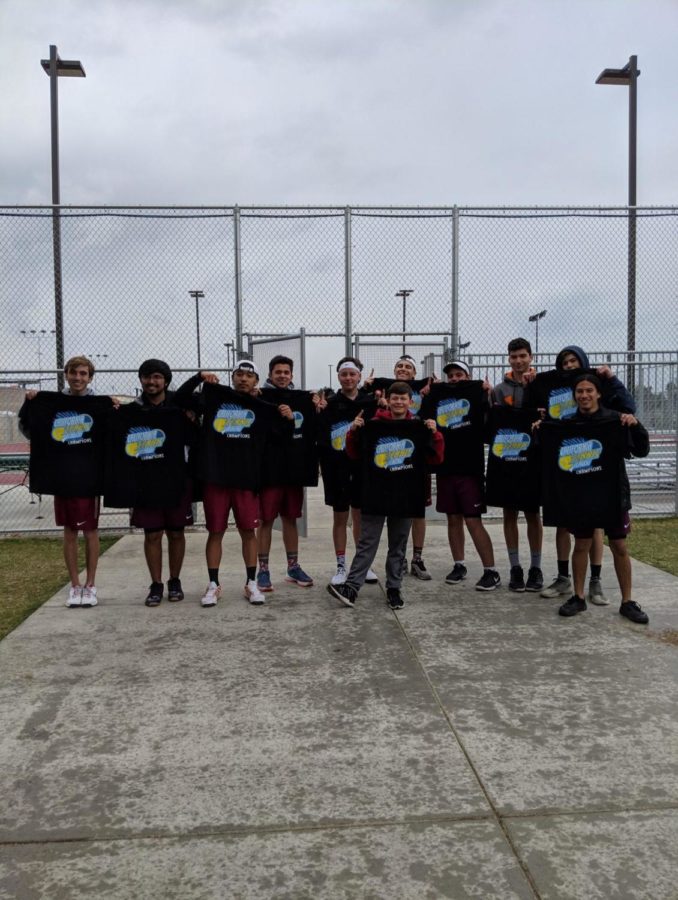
(471,745)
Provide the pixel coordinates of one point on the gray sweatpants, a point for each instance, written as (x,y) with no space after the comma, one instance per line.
(371,528)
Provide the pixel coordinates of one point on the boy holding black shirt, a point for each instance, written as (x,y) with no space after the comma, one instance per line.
(73,513)
(289,467)
(394,478)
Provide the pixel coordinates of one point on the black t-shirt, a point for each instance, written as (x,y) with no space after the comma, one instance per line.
(293,460)
(459,412)
(382,384)
(393,466)
(68,439)
(235,432)
(146,457)
(554,392)
(583,473)
(334,423)
(513,467)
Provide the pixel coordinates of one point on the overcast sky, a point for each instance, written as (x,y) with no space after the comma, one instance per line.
(339,101)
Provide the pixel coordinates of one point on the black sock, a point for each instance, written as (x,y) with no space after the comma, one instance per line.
(213,575)
(564,567)
(595,571)
(251,572)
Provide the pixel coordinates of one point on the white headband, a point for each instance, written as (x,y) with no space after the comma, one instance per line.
(348,365)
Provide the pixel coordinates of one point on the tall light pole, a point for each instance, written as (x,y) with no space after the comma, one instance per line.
(197,295)
(38,334)
(56,68)
(535,318)
(629,76)
(404,294)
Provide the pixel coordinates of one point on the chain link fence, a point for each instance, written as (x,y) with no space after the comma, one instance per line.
(475,276)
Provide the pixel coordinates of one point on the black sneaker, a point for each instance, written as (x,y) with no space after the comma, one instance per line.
(573,606)
(418,569)
(517,580)
(344,593)
(155,593)
(174,590)
(394,599)
(634,613)
(490,581)
(457,575)
(535,580)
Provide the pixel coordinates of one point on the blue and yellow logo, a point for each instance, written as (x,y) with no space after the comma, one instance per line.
(509,443)
(338,434)
(298,420)
(576,455)
(142,443)
(69,427)
(415,406)
(452,412)
(232,419)
(392,452)
(561,403)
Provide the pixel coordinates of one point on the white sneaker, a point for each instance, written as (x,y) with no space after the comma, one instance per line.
(371,577)
(253,594)
(89,596)
(212,594)
(340,577)
(74,597)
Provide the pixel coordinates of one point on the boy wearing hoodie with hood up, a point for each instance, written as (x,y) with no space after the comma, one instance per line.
(559,403)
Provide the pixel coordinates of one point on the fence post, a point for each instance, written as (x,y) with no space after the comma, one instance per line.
(238,282)
(348,282)
(454,330)
(302,347)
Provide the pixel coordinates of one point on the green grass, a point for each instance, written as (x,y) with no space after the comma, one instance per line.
(655,541)
(32,570)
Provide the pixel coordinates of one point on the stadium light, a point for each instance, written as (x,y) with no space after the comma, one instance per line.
(197,295)
(628,76)
(404,293)
(56,68)
(535,318)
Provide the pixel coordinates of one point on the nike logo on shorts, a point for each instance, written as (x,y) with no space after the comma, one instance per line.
(78,524)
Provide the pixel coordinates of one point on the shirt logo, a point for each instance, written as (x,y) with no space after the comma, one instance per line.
(143,443)
(338,434)
(298,420)
(451,413)
(233,419)
(578,456)
(415,406)
(70,427)
(561,403)
(392,453)
(509,443)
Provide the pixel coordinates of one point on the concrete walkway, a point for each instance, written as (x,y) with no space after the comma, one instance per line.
(471,745)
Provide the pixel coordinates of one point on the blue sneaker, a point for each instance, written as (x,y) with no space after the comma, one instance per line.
(296,575)
(264,581)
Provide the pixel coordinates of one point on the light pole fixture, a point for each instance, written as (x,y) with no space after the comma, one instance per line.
(404,294)
(56,68)
(463,346)
(197,295)
(38,334)
(629,76)
(535,318)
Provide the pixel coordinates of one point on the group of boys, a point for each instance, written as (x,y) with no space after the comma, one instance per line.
(253,448)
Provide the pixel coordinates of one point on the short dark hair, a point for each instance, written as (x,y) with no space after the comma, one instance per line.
(399,387)
(519,344)
(595,381)
(280,361)
(353,359)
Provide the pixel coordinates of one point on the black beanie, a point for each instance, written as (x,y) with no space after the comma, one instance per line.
(150,366)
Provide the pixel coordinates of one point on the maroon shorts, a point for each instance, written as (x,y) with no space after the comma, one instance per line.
(461,495)
(218,501)
(78,513)
(281,501)
(172,519)
(615,532)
